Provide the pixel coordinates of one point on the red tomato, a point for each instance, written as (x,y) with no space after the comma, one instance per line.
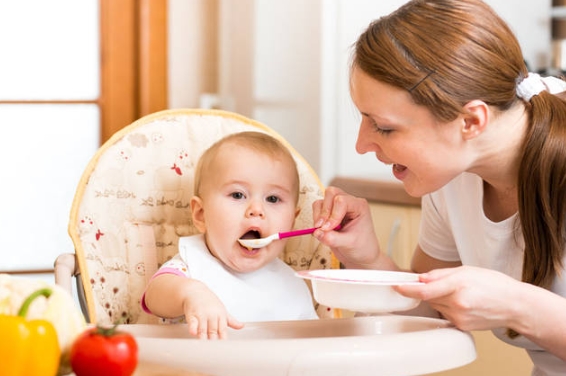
(104,351)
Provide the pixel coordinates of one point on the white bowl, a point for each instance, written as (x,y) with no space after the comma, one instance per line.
(368,291)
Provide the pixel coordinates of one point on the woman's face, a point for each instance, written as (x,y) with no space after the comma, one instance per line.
(424,153)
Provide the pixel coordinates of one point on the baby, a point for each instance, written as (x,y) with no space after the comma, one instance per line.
(246,185)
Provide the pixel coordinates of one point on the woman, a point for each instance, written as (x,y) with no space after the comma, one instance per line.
(446,99)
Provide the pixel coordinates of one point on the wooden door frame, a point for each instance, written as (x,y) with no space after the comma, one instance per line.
(133,40)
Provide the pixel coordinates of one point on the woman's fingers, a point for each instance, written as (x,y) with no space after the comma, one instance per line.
(437,284)
(437,274)
(472,298)
(338,208)
(328,212)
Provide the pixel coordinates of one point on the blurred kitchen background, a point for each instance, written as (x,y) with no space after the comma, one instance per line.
(74,72)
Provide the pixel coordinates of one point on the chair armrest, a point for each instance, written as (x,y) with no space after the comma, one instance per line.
(65,271)
(67,268)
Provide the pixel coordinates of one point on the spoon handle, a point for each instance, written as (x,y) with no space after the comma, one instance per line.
(289,234)
(305,231)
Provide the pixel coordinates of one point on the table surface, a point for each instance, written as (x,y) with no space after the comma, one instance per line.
(149,369)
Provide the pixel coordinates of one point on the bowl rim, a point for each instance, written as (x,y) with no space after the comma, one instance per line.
(349,276)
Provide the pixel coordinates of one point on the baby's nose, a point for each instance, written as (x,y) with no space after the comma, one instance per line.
(255,210)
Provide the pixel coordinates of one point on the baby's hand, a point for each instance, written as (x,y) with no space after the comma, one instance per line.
(212,327)
(206,315)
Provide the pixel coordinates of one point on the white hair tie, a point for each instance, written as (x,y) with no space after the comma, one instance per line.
(533,84)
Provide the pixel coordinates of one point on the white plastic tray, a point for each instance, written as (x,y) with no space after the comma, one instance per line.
(373,345)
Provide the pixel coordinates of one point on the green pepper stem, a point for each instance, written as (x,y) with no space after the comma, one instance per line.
(25,305)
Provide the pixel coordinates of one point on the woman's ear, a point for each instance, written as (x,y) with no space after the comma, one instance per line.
(476,118)
(197,211)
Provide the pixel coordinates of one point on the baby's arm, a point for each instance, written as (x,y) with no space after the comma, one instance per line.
(171,295)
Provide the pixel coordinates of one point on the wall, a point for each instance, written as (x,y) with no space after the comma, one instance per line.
(193,46)
(285,63)
(530,19)
(269,67)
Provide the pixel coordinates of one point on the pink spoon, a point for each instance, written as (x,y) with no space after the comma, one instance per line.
(262,242)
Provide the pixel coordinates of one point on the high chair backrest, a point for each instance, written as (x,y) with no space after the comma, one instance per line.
(132,205)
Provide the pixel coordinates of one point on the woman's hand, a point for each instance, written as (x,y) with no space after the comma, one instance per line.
(355,244)
(205,314)
(475,298)
(471,298)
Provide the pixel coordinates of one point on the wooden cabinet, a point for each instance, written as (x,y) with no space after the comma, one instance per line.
(397,227)
(494,357)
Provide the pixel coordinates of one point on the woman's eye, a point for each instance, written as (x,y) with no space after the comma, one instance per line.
(379,129)
(237,195)
(272,199)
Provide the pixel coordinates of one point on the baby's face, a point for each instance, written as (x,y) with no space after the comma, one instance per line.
(247,192)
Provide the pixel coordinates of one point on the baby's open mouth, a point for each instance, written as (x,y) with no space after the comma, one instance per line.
(248,241)
(252,234)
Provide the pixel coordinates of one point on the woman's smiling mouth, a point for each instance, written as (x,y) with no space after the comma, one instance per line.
(399,171)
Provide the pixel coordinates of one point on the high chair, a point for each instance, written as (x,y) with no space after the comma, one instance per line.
(132,205)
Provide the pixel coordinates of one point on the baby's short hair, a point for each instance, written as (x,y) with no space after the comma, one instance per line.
(256,141)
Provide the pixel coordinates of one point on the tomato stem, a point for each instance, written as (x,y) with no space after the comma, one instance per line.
(106,331)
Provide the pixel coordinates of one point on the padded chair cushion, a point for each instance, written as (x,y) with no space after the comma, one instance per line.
(132,205)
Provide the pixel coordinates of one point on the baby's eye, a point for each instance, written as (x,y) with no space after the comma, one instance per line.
(237,195)
(272,199)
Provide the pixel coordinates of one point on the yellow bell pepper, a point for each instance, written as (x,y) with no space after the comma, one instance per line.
(28,348)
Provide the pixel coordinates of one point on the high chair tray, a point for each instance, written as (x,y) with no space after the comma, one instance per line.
(374,345)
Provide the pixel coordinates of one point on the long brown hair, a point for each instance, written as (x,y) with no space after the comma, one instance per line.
(449,52)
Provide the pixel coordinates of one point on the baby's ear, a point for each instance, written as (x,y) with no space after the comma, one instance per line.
(197,211)
(297,212)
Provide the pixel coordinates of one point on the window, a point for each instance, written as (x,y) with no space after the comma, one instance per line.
(72,74)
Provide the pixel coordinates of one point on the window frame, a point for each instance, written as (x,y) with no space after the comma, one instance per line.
(133,61)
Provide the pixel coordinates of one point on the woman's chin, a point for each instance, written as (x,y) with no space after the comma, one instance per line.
(413,187)
(413,192)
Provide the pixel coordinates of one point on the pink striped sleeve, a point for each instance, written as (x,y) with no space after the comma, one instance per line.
(163,270)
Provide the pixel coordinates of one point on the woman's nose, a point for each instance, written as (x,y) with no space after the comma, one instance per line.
(365,142)
(361,141)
